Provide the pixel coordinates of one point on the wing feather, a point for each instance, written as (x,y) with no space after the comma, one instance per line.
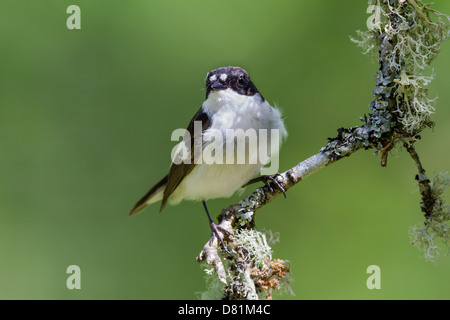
(177,172)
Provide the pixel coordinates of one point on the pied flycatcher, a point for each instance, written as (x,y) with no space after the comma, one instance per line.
(232,102)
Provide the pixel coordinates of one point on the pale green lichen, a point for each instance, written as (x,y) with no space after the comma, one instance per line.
(269,274)
(367,41)
(417,37)
(244,217)
(416,33)
(413,105)
(437,226)
(256,246)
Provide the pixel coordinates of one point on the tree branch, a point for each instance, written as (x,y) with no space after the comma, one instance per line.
(428,199)
(399,110)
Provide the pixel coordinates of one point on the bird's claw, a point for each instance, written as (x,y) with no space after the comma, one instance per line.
(268,179)
(219,232)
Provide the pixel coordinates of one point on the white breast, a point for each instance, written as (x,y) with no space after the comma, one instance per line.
(228,110)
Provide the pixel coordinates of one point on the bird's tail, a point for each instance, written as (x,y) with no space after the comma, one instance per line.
(155,194)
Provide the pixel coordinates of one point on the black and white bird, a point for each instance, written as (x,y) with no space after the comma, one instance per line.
(232,102)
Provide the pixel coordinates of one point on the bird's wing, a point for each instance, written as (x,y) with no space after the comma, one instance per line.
(153,195)
(177,172)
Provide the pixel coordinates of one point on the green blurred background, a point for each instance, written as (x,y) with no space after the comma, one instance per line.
(85,123)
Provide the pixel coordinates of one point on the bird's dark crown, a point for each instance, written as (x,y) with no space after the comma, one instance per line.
(234,78)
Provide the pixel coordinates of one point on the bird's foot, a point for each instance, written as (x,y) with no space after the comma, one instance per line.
(219,233)
(267,181)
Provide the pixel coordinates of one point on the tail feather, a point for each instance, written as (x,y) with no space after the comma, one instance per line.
(155,194)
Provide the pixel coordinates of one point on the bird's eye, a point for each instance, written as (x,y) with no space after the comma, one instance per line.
(241,81)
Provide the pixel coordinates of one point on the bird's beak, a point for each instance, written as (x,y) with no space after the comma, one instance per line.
(216,86)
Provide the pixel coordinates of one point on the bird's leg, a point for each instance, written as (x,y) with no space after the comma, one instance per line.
(216,230)
(267,180)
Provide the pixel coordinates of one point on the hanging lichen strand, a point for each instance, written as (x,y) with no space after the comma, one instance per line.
(410,36)
(413,34)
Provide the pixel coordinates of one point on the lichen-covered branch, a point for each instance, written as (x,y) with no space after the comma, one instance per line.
(408,36)
(428,200)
